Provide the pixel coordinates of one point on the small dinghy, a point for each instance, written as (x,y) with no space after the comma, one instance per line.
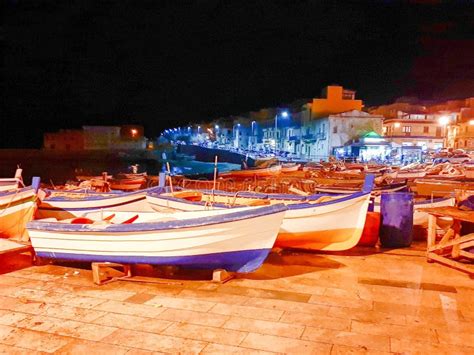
(232,239)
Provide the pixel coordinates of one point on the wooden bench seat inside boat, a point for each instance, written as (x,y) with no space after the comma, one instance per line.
(188,195)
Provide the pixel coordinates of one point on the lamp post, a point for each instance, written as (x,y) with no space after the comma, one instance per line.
(251,146)
(443,122)
(234,135)
(284,114)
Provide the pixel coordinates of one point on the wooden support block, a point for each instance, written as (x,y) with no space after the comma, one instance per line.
(466,255)
(221,276)
(431,240)
(469,269)
(103,273)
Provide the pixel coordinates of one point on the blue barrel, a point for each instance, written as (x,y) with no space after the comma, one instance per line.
(396,228)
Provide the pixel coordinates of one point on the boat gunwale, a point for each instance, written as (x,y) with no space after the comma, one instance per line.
(248,213)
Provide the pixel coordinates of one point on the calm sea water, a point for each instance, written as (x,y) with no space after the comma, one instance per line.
(59,168)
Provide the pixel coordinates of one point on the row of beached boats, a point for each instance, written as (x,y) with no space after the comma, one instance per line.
(194,228)
(164,226)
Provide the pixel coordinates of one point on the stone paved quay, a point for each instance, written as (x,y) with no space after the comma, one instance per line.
(366,302)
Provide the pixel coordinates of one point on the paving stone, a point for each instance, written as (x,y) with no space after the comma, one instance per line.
(171,302)
(284,345)
(247,312)
(259,293)
(15,350)
(404,346)
(139,298)
(133,309)
(358,350)
(341,302)
(213,296)
(11,318)
(287,305)
(11,281)
(73,313)
(213,348)
(210,334)
(367,316)
(154,342)
(264,327)
(38,341)
(115,295)
(124,321)
(84,347)
(395,331)
(316,320)
(200,318)
(367,341)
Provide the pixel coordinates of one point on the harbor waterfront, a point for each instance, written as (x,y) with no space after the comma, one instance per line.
(318,257)
(250,177)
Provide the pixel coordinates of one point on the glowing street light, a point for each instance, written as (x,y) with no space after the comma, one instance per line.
(443,120)
(471,123)
(284,114)
(134,132)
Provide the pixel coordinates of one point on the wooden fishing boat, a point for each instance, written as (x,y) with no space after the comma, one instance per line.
(316,222)
(289,167)
(67,204)
(11,184)
(341,189)
(420,218)
(93,177)
(128,182)
(409,174)
(252,173)
(17,208)
(232,239)
(440,188)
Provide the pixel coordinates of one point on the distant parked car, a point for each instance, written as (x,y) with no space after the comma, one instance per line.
(459,158)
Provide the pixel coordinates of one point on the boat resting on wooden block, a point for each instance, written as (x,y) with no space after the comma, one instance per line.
(315,222)
(232,239)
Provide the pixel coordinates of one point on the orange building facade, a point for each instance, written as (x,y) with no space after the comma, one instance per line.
(335,100)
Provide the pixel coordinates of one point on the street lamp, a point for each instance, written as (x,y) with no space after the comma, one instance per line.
(443,120)
(199,129)
(284,114)
(233,133)
(253,135)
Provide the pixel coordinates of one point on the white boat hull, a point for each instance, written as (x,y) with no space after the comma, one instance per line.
(330,226)
(203,239)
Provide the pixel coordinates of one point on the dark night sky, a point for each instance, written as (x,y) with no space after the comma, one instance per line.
(165,63)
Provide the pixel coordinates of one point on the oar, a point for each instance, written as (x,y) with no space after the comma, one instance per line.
(109,218)
(130,220)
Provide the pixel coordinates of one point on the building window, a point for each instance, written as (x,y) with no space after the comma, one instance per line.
(406,129)
(334,129)
(426,129)
(438,131)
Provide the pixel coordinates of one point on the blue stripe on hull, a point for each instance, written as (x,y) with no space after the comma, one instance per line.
(239,261)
